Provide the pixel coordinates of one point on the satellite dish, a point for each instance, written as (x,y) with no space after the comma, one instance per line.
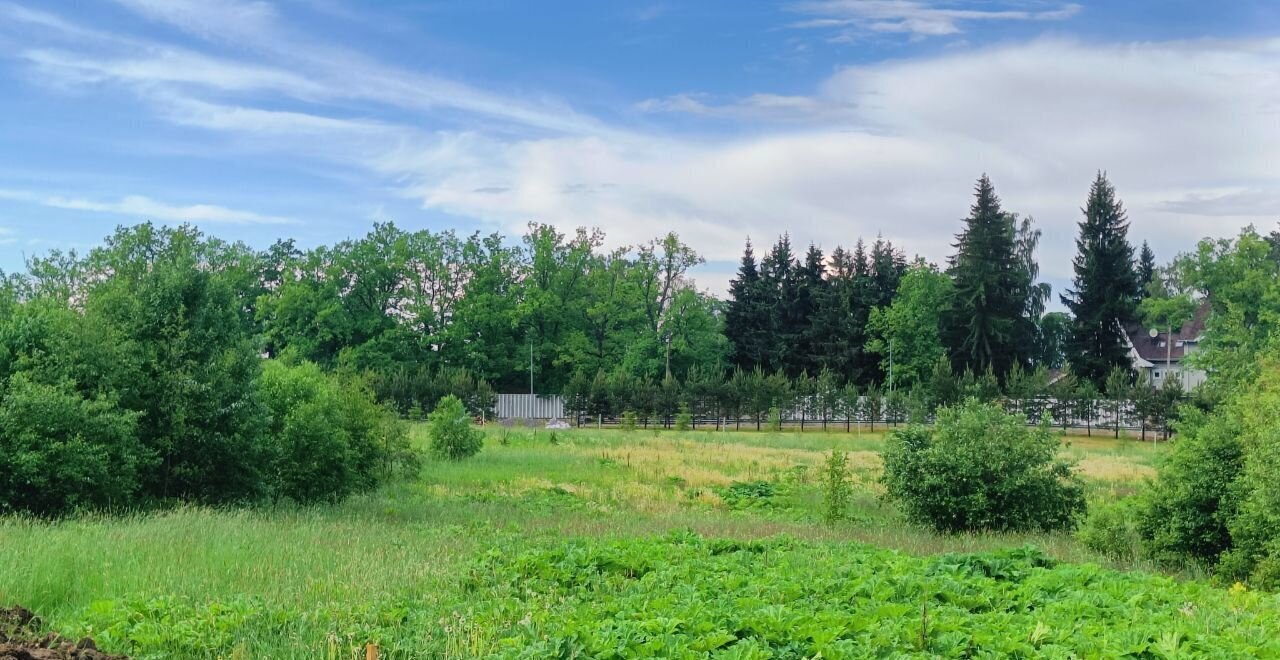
(1153,333)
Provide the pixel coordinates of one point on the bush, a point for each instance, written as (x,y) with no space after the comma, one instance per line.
(326,437)
(452,436)
(1186,512)
(836,489)
(629,420)
(60,451)
(1111,529)
(775,419)
(981,469)
(684,419)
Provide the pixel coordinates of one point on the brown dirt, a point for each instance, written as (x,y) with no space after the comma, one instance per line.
(21,639)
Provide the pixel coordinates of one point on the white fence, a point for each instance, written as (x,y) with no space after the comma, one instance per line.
(1097,417)
(528,406)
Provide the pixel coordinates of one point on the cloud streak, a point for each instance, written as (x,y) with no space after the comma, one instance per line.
(146,208)
(917,18)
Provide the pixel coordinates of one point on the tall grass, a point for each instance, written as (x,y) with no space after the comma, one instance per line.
(391,566)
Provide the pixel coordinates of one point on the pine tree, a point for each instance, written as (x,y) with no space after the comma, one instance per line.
(865,296)
(746,323)
(987,307)
(778,288)
(888,265)
(1146,270)
(837,333)
(1105,287)
(810,291)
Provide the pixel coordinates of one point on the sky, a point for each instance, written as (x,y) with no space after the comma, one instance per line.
(722,120)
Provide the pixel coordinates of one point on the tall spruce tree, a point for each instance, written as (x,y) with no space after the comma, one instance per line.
(984,316)
(835,328)
(1146,269)
(746,321)
(777,286)
(1105,287)
(810,292)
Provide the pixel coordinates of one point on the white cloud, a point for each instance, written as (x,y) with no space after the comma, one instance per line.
(147,209)
(7,237)
(1188,132)
(916,17)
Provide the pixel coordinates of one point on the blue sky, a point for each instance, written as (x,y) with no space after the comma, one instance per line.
(829,119)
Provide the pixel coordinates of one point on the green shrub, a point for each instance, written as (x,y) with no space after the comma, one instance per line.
(60,451)
(629,421)
(836,489)
(775,419)
(748,494)
(326,437)
(981,469)
(1186,512)
(452,436)
(684,419)
(1111,529)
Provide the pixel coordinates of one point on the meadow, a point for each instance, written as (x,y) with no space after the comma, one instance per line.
(608,543)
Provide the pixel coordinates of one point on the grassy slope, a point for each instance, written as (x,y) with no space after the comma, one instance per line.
(320,581)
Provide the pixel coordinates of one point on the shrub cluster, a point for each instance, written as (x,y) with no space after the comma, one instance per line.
(1217,498)
(132,376)
(981,468)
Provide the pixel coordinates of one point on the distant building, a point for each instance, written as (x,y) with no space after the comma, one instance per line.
(1159,357)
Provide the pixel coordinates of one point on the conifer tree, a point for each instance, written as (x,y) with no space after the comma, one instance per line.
(746,323)
(984,316)
(836,330)
(777,287)
(1146,269)
(1105,287)
(810,288)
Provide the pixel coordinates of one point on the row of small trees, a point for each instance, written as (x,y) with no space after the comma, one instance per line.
(755,397)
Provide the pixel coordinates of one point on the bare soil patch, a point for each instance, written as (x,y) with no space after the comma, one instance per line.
(21,639)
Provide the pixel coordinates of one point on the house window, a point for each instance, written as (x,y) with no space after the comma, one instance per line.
(1158,373)
(1161,343)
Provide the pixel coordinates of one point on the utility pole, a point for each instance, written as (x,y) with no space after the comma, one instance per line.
(530,367)
(891,364)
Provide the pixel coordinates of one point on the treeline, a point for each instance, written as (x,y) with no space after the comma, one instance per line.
(398,302)
(758,399)
(872,317)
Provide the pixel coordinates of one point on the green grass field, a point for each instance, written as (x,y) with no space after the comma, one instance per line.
(433,567)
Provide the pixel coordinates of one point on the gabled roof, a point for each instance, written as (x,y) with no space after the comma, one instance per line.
(1156,350)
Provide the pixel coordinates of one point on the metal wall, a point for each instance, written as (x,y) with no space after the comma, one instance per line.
(528,406)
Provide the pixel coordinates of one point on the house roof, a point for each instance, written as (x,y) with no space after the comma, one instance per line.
(1156,350)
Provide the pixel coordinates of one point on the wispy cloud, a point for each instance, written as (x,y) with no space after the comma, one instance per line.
(7,237)
(919,18)
(146,208)
(345,74)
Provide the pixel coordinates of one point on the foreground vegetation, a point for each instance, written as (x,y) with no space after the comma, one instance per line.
(520,549)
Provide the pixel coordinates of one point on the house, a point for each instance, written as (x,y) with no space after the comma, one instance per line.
(1159,357)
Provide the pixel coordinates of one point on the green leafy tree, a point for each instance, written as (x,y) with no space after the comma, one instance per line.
(1051,340)
(980,469)
(911,326)
(1105,287)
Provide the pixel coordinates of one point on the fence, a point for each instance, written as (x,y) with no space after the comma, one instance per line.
(528,406)
(1091,415)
